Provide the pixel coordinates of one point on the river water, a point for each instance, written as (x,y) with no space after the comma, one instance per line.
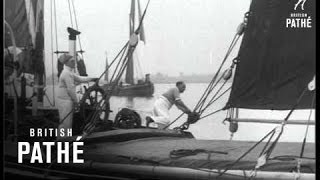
(212,127)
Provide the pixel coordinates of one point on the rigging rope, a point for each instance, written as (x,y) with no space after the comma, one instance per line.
(55,23)
(211,84)
(105,97)
(121,51)
(247,152)
(307,129)
(265,154)
(200,106)
(269,151)
(52,66)
(75,19)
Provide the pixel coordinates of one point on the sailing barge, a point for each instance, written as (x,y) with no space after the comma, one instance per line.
(142,88)
(127,150)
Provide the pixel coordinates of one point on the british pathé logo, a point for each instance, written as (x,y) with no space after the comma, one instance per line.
(299,19)
(300,2)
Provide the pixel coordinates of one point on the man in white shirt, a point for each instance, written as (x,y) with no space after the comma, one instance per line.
(66,94)
(164,103)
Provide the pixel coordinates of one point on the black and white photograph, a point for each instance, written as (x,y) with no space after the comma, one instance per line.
(159,89)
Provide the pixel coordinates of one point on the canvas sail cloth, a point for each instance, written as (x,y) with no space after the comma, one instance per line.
(129,78)
(276,62)
(26,21)
(25,17)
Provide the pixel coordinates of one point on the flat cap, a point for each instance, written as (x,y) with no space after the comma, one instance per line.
(64,58)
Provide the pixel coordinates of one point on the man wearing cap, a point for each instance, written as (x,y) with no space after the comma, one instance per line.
(67,98)
(164,103)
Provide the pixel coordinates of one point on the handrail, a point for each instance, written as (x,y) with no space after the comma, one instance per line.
(272,121)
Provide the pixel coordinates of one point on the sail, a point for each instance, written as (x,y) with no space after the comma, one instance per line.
(106,75)
(130,68)
(276,60)
(26,21)
(17,17)
(142,34)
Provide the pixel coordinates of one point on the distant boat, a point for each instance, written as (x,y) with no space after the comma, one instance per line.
(143,88)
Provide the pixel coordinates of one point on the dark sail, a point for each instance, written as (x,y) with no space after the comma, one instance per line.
(276,62)
(16,16)
(130,68)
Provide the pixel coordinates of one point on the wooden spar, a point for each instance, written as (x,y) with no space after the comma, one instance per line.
(106,75)
(163,172)
(129,78)
(273,121)
(72,45)
(62,52)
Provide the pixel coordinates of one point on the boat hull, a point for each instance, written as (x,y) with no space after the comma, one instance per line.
(146,153)
(139,90)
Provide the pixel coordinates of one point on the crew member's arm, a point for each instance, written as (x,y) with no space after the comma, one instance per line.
(83,79)
(179,103)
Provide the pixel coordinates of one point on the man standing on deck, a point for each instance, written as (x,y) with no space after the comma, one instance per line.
(66,94)
(163,104)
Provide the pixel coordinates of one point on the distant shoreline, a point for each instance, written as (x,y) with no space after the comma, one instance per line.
(165,79)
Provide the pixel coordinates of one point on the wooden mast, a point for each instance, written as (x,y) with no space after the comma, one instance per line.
(106,75)
(130,68)
(39,56)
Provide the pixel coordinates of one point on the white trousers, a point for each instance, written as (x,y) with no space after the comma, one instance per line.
(161,111)
(65,107)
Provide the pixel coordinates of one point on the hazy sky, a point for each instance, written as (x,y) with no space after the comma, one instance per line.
(188,36)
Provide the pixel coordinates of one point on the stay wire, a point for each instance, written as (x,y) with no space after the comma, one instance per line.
(266,145)
(212,99)
(174,120)
(205,115)
(307,129)
(209,88)
(52,66)
(121,51)
(76,22)
(56,31)
(209,92)
(273,145)
(125,63)
(243,155)
(117,66)
(89,127)
(211,113)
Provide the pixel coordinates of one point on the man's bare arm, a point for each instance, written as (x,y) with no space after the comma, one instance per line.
(180,105)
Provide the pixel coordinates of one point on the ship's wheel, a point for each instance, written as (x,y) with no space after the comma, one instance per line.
(93,106)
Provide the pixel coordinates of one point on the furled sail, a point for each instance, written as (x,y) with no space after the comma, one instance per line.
(276,57)
(16,16)
(130,68)
(25,18)
(133,24)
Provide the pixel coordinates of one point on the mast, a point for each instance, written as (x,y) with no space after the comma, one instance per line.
(39,57)
(72,43)
(106,75)
(129,71)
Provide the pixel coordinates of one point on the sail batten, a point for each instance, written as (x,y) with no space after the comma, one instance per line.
(276,62)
